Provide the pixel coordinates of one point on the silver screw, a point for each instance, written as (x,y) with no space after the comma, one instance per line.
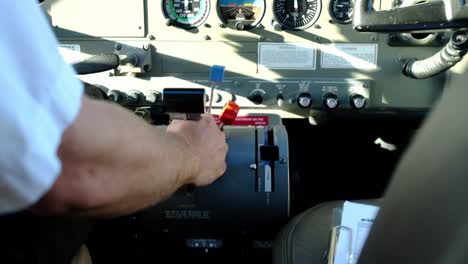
(118,46)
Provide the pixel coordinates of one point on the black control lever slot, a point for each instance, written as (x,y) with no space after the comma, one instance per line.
(269,154)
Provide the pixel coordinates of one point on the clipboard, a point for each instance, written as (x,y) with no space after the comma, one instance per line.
(349,232)
(336,230)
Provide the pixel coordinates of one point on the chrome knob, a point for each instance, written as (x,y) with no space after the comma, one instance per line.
(358,101)
(331,101)
(304,100)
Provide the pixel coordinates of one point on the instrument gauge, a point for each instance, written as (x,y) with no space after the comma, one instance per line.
(186,14)
(297,14)
(341,11)
(241,14)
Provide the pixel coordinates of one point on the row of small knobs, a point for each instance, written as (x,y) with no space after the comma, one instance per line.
(304,100)
(331,101)
(134,97)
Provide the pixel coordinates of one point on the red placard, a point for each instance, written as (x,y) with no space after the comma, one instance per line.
(248,121)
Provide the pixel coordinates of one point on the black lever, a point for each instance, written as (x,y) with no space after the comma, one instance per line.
(97,63)
(428,16)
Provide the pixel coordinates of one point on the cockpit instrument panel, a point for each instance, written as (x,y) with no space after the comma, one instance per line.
(295,58)
(186,14)
(297,14)
(241,14)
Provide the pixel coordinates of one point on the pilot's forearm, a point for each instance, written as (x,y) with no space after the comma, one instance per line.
(114,164)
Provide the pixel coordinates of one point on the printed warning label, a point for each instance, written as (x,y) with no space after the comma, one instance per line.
(349,56)
(248,121)
(286,56)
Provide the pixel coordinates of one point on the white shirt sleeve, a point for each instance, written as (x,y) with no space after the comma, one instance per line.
(40,97)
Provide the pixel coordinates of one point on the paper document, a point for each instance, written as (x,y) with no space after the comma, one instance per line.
(357,220)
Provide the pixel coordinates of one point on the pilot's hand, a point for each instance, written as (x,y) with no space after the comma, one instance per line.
(206,146)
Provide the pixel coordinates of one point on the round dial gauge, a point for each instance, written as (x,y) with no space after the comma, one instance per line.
(297,14)
(342,11)
(241,14)
(186,13)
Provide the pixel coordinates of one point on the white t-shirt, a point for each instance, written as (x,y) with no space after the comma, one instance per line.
(40,97)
